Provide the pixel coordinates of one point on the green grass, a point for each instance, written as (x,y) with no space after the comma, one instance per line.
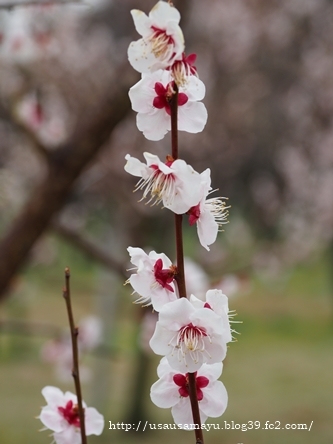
(280,368)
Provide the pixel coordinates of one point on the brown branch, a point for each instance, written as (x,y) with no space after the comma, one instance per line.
(66,164)
(75,351)
(89,247)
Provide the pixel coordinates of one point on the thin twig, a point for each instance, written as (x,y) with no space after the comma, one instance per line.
(75,371)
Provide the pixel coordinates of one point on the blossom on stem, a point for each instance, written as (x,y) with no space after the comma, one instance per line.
(154,277)
(162,39)
(218,302)
(151,98)
(182,69)
(172,390)
(188,336)
(174,183)
(209,214)
(61,415)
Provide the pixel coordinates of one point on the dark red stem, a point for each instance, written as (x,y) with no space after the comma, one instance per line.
(180,276)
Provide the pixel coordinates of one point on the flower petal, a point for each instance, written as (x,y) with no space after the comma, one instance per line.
(52,419)
(69,436)
(162,13)
(159,342)
(192,117)
(182,414)
(141,22)
(215,400)
(94,421)
(164,392)
(154,125)
(207,229)
(195,89)
(135,167)
(53,396)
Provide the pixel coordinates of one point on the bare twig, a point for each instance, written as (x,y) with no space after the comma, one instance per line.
(75,372)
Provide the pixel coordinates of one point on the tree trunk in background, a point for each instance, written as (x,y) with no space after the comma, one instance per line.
(65,165)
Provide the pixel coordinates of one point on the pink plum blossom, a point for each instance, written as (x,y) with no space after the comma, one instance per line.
(209,214)
(171,390)
(188,336)
(162,39)
(58,351)
(90,332)
(153,279)
(174,183)
(151,97)
(61,416)
(218,302)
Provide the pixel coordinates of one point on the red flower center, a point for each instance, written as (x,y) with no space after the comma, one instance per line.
(194,214)
(161,36)
(183,384)
(70,413)
(164,276)
(164,96)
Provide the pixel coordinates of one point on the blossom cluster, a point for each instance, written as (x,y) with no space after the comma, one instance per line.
(191,334)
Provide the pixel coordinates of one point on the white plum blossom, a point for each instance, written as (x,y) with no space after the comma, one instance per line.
(62,417)
(171,390)
(218,302)
(154,277)
(188,336)
(151,97)
(162,39)
(175,183)
(209,214)
(182,69)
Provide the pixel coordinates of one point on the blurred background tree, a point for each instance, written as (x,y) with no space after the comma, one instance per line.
(66,126)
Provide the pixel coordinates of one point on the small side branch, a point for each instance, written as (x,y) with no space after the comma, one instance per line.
(75,372)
